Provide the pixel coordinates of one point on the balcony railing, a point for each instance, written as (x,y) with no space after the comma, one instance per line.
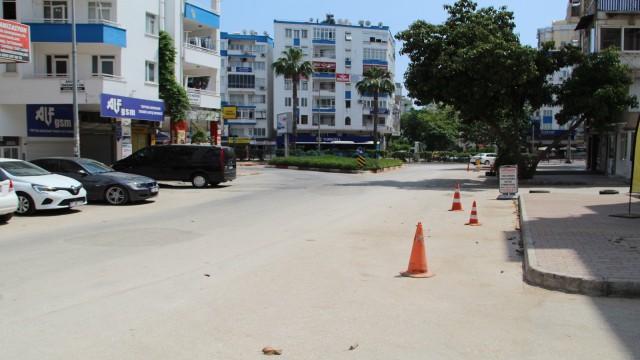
(621,6)
(201,43)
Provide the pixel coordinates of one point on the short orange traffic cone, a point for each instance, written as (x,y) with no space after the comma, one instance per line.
(457,205)
(473,221)
(418,260)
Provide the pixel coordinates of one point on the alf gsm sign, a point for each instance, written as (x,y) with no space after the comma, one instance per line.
(14,42)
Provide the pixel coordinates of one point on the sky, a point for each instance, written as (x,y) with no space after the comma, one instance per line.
(258,15)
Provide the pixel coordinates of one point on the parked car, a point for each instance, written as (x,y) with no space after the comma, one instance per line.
(38,189)
(200,164)
(485,158)
(101,181)
(8,198)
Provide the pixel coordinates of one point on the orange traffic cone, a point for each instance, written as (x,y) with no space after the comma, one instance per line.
(418,260)
(473,221)
(457,205)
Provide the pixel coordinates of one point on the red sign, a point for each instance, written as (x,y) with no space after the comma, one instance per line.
(342,77)
(324,65)
(14,42)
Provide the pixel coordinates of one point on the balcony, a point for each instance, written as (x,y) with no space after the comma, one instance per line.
(203,98)
(98,33)
(200,52)
(619,6)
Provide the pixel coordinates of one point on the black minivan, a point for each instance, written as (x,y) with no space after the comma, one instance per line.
(200,164)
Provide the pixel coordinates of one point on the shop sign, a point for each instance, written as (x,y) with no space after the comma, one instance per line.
(50,120)
(67,85)
(14,41)
(131,108)
(342,78)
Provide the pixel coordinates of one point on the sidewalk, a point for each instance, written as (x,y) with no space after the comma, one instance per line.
(571,241)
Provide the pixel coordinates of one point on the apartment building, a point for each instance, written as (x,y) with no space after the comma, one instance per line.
(116,67)
(544,128)
(331,111)
(605,23)
(247,87)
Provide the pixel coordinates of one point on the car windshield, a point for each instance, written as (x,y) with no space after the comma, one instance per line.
(22,168)
(95,167)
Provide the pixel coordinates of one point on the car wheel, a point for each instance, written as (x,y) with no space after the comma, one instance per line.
(487,162)
(25,204)
(116,195)
(199,180)
(5,217)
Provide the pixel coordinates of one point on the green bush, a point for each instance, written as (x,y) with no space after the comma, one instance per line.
(334,162)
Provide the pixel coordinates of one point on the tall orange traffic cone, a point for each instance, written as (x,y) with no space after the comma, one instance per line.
(418,260)
(473,221)
(457,205)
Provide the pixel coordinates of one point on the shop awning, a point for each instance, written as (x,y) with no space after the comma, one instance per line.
(584,22)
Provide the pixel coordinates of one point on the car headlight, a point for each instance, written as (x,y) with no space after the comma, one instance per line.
(136,185)
(43,188)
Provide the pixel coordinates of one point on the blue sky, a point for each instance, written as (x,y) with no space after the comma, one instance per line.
(258,15)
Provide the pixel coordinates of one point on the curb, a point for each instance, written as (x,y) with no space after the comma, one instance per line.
(535,275)
(340,171)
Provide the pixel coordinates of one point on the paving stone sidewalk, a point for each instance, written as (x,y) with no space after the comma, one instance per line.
(573,244)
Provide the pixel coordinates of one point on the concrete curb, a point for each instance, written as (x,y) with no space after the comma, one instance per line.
(536,275)
(333,170)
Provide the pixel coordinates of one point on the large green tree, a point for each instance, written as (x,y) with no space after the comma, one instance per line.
(375,82)
(474,62)
(437,129)
(292,65)
(176,101)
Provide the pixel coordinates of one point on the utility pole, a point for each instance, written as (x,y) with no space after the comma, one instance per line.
(74,79)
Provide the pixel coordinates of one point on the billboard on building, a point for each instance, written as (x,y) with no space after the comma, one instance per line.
(15,42)
(50,120)
(229,112)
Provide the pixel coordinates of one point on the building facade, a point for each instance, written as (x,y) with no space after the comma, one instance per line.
(331,111)
(115,62)
(605,23)
(247,88)
(544,128)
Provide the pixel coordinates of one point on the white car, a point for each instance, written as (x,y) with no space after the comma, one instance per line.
(485,158)
(38,189)
(8,198)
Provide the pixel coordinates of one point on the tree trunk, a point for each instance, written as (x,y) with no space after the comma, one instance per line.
(375,123)
(295,110)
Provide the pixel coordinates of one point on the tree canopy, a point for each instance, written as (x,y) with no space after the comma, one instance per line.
(474,62)
(437,129)
(176,101)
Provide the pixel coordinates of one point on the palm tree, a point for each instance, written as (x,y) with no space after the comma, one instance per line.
(375,81)
(292,65)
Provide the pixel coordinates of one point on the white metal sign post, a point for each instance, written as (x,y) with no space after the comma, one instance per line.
(508,182)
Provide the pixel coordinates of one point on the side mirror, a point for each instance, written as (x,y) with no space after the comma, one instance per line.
(82,172)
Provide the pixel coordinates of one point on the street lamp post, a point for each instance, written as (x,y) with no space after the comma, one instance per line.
(319,138)
(74,79)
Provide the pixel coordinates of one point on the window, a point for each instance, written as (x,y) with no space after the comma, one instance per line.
(103,65)
(304,119)
(287,101)
(259,65)
(236,99)
(304,85)
(245,113)
(374,54)
(347,121)
(241,81)
(258,132)
(99,11)
(296,34)
(261,114)
(258,99)
(324,34)
(288,84)
(288,33)
(261,83)
(610,37)
(631,39)
(150,72)
(55,11)
(303,102)
(11,68)
(9,10)
(237,132)
(347,36)
(151,24)
(347,104)
(57,65)
(304,34)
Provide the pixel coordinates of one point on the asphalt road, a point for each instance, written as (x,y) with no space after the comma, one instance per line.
(307,262)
